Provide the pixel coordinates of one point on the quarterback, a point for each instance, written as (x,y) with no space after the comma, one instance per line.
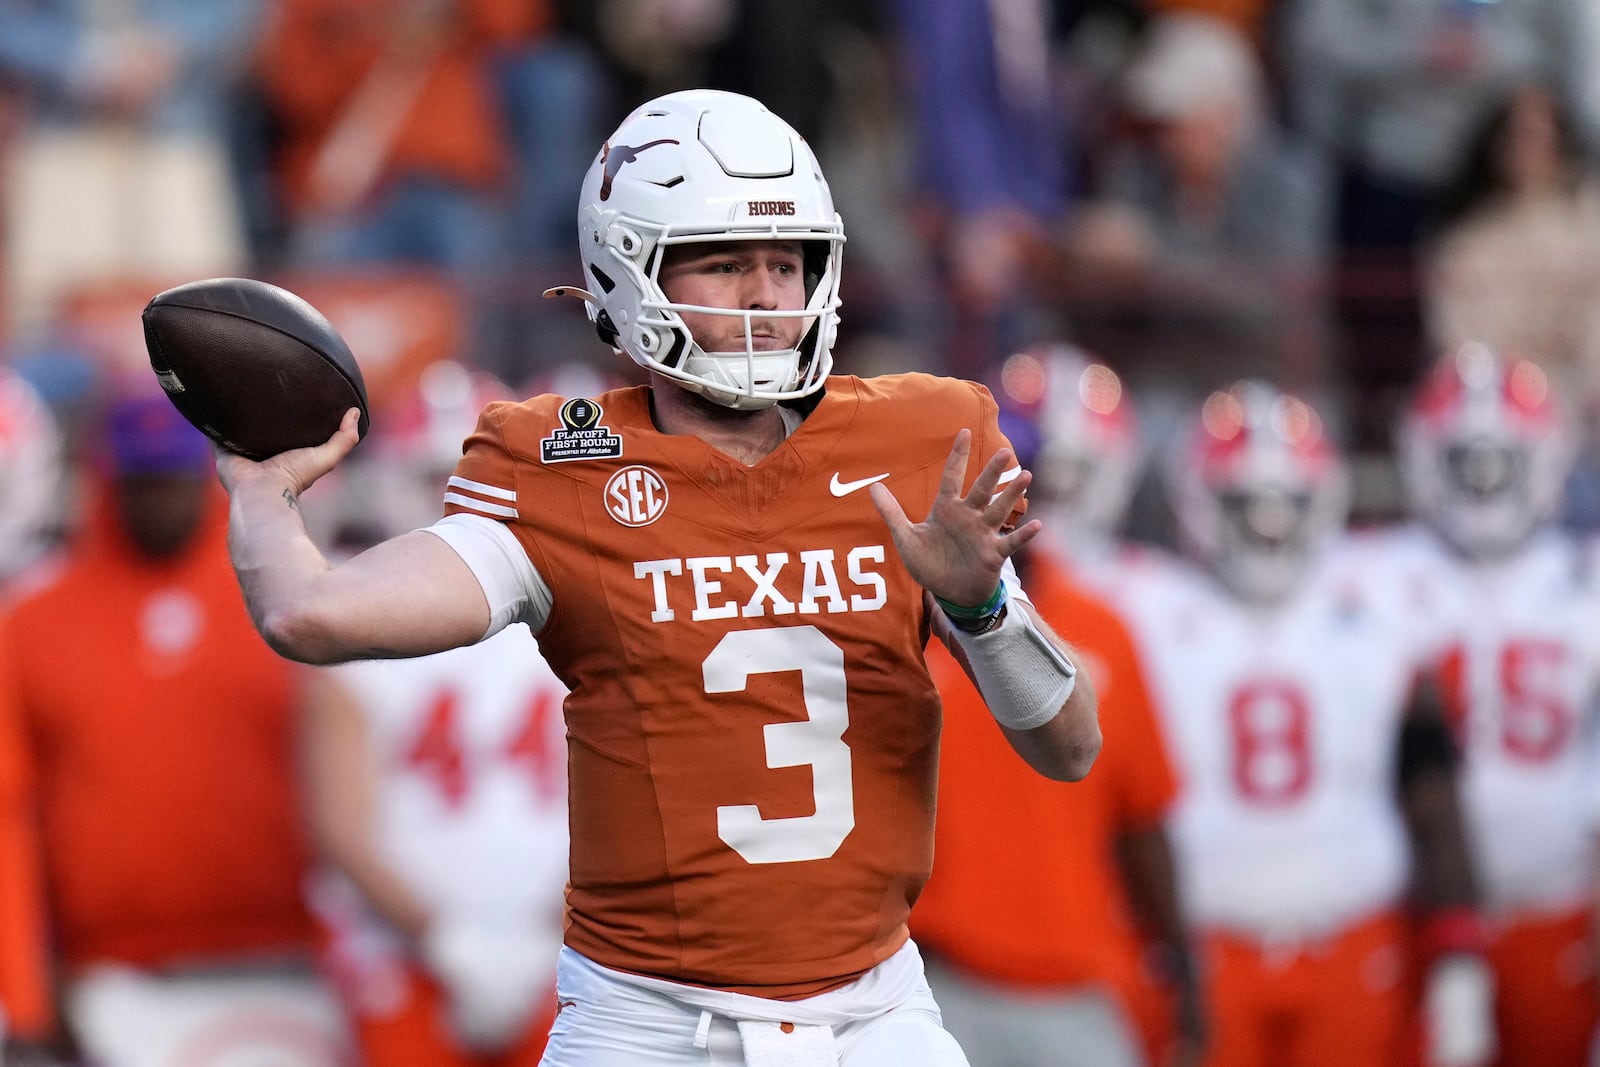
(720,567)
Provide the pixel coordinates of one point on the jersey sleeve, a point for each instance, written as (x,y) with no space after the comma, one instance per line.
(480,506)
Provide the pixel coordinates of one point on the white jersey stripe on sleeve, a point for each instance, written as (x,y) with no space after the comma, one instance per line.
(481,507)
(482,489)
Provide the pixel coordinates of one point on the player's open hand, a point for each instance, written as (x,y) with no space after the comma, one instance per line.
(956,552)
(299,468)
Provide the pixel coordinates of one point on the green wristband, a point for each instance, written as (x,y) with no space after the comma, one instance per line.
(987,609)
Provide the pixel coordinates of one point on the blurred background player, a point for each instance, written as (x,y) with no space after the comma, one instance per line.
(33,493)
(1485,448)
(1072,414)
(1043,893)
(157,731)
(437,796)
(1285,680)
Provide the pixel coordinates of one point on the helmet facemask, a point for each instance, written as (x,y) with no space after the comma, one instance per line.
(1259,491)
(748,377)
(1485,452)
(1265,538)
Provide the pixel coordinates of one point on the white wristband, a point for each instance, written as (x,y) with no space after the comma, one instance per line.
(1024,678)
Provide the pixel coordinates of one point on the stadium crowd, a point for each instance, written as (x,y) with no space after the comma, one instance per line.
(1291,306)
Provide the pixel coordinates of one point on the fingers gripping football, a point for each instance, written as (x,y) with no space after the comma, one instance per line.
(957,552)
(298,468)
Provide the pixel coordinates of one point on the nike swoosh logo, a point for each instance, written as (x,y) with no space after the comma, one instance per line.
(838,488)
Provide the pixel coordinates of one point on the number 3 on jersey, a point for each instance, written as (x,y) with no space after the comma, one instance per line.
(816,741)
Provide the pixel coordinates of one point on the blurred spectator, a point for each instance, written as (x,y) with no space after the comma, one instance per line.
(1250,17)
(1583,47)
(1206,224)
(658,46)
(1392,92)
(442,132)
(1043,896)
(1318,802)
(1513,262)
(120,168)
(158,766)
(1485,446)
(991,163)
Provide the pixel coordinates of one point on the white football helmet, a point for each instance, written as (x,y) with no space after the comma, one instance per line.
(1485,449)
(693,167)
(1258,488)
(1072,424)
(32,493)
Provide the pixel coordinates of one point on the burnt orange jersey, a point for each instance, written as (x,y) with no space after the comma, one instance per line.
(752,732)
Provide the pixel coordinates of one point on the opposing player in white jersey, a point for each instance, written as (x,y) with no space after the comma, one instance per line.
(1485,449)
(1071,412)
(1317,805)
(437,789)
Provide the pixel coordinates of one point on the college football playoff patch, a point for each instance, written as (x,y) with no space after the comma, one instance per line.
(580,435)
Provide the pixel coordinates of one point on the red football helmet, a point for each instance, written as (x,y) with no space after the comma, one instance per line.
(1258,487)
(1485,449)
(1072,423)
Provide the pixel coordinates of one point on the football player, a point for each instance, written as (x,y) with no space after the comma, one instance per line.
(1285,680)
(1485,447)
(1073,414)
(436,792)
(721,568)
(1062,978)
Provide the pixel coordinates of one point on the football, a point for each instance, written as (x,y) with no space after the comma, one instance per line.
(254,367)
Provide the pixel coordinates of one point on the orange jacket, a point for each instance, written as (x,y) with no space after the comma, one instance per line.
(320,52)
(1025,887)
(158,732)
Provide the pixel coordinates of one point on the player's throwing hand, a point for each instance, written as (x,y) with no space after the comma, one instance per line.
(300,467)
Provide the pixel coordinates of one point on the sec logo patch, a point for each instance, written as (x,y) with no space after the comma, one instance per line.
(636,496)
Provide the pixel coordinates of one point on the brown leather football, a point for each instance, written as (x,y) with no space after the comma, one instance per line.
(254,367)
